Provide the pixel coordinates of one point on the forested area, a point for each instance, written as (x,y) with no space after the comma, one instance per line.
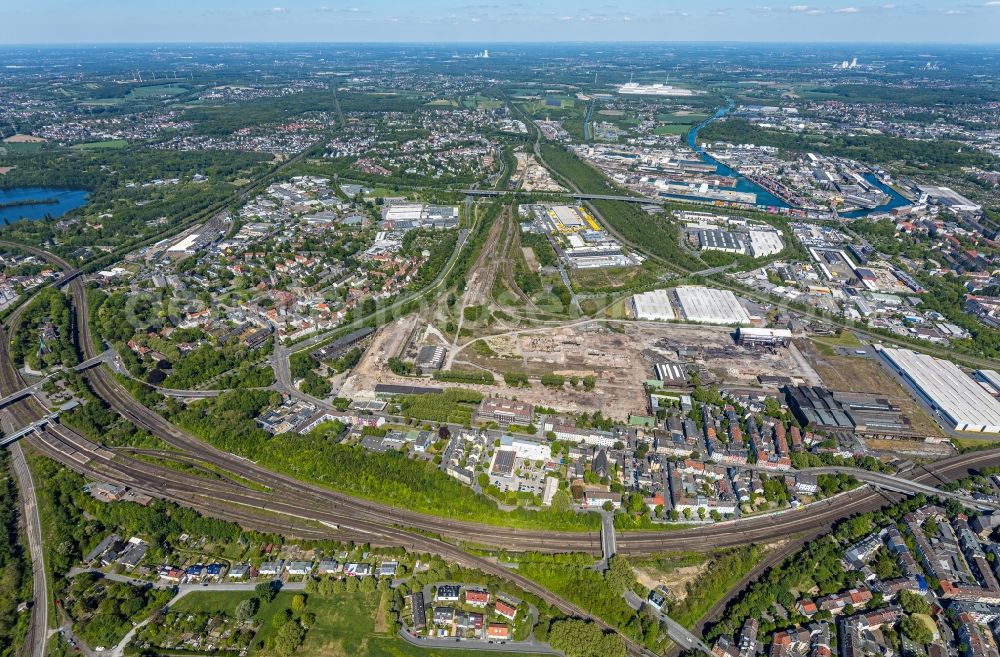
(724,570)
(571,168)
(95,420)
(477,377)
(568,576)
(44,338)
(928,96)
(15,580)
(129,214)
(657,235)
(580,638)
(103,611)
(541,247)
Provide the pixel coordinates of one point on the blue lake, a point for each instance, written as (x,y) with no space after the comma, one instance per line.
(65,200)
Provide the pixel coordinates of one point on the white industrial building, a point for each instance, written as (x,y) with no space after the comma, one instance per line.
(946,197)
(185,244)
(566,217)
(764,243)
(990,381)
(657,89)
(706,305)
(526,449)
(960,401)
(653,305)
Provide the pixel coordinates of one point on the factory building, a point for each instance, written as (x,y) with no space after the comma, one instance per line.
(654,305)
(671,374)
(959,400)
(707,305)
(720,240)
(430,358)
(990,381)
(764,243)
(948,198)
(763,337)
(821,408)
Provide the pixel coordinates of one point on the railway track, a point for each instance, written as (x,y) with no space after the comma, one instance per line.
(302,509)
(737,532)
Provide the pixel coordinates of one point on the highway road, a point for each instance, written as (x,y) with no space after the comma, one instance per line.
(38,632)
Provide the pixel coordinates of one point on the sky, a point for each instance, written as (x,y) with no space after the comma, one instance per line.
(484,21)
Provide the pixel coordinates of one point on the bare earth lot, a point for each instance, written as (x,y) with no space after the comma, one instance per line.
(620,354)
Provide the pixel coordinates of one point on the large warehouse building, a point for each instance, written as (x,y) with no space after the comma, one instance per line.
(959,400)
(707,305)
(653,305)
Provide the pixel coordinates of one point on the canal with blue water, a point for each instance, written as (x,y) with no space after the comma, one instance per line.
(766,198)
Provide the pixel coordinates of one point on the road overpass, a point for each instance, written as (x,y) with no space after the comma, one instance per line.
(892,482)
(579,196)
(20,433)
(898,484)
(35,387)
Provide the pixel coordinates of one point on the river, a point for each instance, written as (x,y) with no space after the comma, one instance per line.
(64,201)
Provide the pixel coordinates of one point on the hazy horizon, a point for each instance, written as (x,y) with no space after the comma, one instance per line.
(112,22)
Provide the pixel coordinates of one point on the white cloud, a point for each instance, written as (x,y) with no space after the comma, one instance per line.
(847,10)
(799,8)
(815,12)
(279,10)
(890,6)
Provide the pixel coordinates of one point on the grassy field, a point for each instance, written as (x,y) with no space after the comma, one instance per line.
(95,145)
(827,344)
(158,90)
(345,625)
(481,102)
(672,129)
(22,146)
(612,278)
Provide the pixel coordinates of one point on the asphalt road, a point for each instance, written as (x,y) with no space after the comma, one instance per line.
(677,632)
(529,647)
(38,632)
